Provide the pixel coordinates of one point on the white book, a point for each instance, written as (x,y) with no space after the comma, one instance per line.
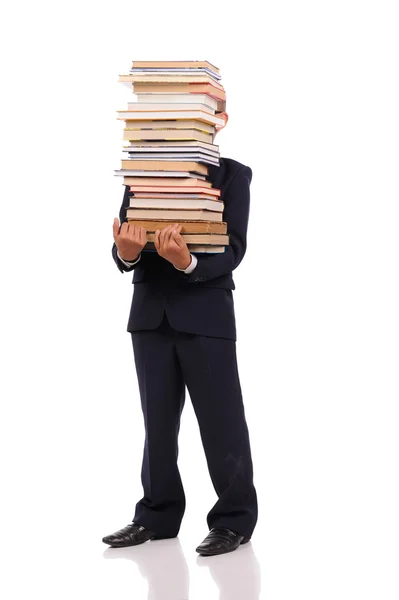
(177,203)
(176,71)
(172,214)
(166,145)
(174,156)
(171,154)
(170,149)
(163,106)
(131,173)
(176,99)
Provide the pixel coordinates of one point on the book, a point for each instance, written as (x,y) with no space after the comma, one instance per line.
(207,101)
(166,134)
(187,72)
(169,131)
(194,248)
(203,158)
(218,239)
(176,201)
(175,64)
(171,215)
(157,174)
(162,144)
(180,88)
(206,194)
(167,106)
(197,115)
(171,181)
(164,165)
(171,124)
(128,79)
(157,189)
(184,153)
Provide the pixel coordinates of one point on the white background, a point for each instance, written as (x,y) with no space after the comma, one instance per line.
(312,94)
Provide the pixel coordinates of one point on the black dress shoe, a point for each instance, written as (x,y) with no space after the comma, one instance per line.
(221,540)
(131,535)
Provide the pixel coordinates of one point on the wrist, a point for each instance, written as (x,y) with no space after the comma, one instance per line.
(129,259)
(184,267)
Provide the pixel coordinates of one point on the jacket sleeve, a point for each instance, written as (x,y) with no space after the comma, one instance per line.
(123,219)
(236,215)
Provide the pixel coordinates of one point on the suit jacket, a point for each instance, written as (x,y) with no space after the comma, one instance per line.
(200,302)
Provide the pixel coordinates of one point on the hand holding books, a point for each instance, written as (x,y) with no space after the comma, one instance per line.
(129,240)
(171,246)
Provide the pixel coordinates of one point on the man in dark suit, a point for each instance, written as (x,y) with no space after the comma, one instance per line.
(182,324)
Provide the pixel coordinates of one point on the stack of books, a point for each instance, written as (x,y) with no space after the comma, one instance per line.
(170,131)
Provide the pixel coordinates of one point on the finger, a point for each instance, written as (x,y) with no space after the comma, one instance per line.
(136,232)
(143,236)
(162,232)
(162,238)
(177,230)
(168,235)
(124,228)
(156,240)
(131,230)
(177,238)
(165,237)
(174,236)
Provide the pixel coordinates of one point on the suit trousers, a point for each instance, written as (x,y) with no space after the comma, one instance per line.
(166,362)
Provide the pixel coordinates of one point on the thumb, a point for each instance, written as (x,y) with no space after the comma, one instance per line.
(115,227)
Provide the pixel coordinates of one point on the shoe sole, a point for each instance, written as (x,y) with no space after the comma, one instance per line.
(138,543)
(204,553)
(112,545)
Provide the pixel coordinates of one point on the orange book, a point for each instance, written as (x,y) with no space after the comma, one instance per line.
(173,189)
(166,181)
(164,165)
(187,226)
(179,88)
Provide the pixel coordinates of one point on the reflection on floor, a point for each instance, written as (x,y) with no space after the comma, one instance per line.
(162,563)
